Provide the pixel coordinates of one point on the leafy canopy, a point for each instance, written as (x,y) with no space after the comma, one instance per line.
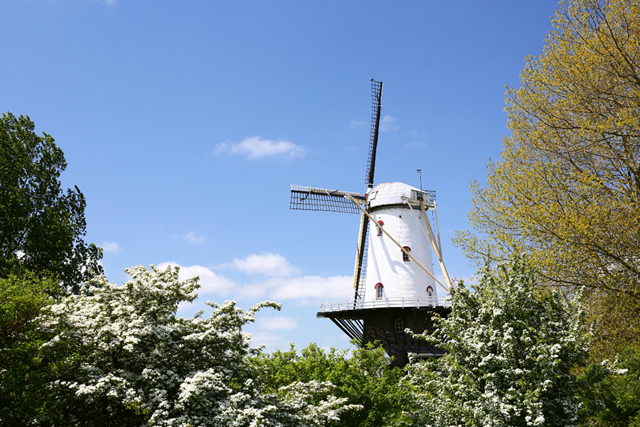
(24,369)
(41,227)
(365,376)
(566,189)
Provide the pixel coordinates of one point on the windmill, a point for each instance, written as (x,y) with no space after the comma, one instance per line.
(393,279)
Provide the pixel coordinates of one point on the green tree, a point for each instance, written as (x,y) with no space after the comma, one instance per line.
(511,350)
(366,377)
(41,227)
(24,369)
(566,189)
(615,401)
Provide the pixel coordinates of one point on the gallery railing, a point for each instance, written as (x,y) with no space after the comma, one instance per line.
(397,302)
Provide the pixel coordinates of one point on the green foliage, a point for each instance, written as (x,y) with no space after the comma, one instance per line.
(24,369)
(511,351)
(366,377)
(41,228)
(615,401)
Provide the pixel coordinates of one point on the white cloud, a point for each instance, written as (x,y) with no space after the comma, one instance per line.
(264,263)
(388,123)
(276,323)
(357,123)
(270,340)
(210,281)
(283,284)
(193,237)
(111,247)
(307,289)
(258,148)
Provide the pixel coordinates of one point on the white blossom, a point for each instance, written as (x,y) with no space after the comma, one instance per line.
(510,348)
(126,359)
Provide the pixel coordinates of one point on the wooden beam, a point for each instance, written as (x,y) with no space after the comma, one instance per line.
(439,249)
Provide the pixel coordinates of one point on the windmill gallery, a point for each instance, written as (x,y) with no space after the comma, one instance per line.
(394,283)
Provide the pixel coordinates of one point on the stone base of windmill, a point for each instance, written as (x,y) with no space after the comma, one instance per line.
(387,326)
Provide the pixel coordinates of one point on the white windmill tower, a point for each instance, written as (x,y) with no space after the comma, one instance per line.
(395,286)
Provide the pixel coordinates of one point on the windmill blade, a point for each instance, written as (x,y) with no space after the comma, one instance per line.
(360,271)
(319,199)
(376,105)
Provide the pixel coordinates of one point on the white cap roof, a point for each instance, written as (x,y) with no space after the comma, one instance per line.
(392,193)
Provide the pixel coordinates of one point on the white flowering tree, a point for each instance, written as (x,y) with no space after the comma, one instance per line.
(511,349)
(125,359)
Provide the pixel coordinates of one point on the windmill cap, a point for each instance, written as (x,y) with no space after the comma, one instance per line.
(395,193)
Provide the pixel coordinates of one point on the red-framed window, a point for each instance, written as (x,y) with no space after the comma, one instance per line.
(405,257)
(380,225)
(379,290)
(429,291)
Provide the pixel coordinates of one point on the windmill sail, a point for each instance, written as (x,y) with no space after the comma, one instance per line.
(361,256)
(319,199)
(376,105)
(360,272)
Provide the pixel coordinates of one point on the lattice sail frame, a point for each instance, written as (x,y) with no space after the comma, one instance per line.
(319,199)
(376,105)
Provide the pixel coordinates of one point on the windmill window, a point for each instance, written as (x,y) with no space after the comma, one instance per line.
(429,291)
(380,225)
(399,326)
(405,256)
(379,290)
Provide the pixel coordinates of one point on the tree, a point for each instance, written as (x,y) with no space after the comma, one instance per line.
(365,376)
(24,369)
(615,401)
(41,228)
(567,187)
(127,360)
(510,354)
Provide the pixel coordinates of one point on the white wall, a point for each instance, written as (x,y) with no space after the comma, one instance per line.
(385,264)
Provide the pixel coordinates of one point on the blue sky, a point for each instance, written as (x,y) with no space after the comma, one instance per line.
(185,123)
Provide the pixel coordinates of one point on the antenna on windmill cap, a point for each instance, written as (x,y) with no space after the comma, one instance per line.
(420,172)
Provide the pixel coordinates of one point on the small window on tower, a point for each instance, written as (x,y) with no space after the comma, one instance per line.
(379,290)
(399,326)
(405,256)
(429,291)
(380,225)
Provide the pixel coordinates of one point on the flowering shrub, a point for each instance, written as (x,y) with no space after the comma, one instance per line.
(126,359)
(511,349)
